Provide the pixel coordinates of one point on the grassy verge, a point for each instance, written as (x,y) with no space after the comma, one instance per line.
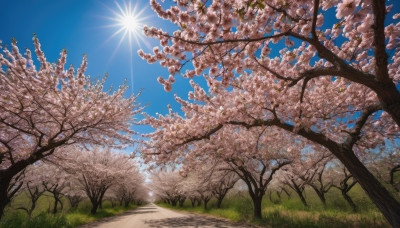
(65,219)
(291,213)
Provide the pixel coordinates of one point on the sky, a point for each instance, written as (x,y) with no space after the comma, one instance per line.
(84,27)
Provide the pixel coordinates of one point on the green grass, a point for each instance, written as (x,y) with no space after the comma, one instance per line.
(67,218)
(291,212)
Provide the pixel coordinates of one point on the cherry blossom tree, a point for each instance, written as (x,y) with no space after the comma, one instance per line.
(344,181)
(296,177)
(199,182)
(386,164)
(96,170)
(74,193)
(333,83)
(223,181)
(32,187)
(55,181)
(46,107)
(321,182)
(308,170)
(252,154)
(167,185)
(129,187)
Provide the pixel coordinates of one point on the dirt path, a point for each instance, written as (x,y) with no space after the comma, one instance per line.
(151,216)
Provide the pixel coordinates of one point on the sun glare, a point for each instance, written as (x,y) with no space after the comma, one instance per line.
(129,22)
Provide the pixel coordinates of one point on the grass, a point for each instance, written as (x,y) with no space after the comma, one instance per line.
(67,218)
(291,213)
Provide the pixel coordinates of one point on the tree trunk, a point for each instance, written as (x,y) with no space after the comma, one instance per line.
(181,202)
(349,201)
(381,197)
(173,202)
(286,192)
(55,206)
(4,200)
(302,198)
(32,208)
(320,194)
(205,203)
(257,206)
(95,205)
(219,202)
(193,201)
(4,184)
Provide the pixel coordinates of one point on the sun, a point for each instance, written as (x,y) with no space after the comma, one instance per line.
(129,23)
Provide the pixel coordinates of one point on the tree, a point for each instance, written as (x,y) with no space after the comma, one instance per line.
(129,187)
(32,186)
(96,170)
(44,109)
(74,193)
(320,183)
(55,181)
(344,181)
(167,185)
(332,84)
(254,155)
(223,182)
(386,163)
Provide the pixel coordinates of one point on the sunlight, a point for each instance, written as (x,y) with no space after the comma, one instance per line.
(129,22)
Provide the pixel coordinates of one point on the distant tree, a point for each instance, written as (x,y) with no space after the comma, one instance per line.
(386,163)
(96,170)
(167,186)
(32,187)
(55,181)
(344,181)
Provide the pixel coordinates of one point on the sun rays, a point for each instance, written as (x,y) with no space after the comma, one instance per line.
(128,21)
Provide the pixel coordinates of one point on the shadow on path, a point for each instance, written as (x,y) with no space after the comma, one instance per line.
(192,221)
(140,210)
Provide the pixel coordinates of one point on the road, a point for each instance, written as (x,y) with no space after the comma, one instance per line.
(152,216)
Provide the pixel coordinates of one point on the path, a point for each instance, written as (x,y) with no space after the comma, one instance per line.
(152,216)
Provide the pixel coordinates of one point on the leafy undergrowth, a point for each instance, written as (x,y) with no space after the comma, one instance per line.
(72,218)
(291,213)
